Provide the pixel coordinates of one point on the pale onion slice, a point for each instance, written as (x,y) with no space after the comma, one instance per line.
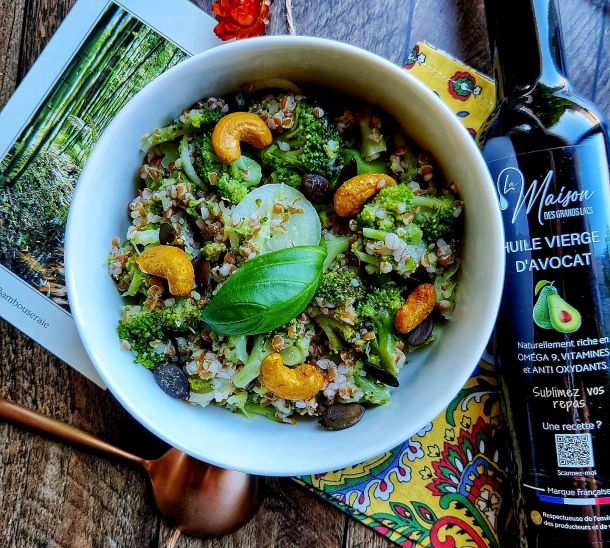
(287,218)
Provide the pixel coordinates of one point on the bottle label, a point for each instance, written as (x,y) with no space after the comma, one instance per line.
(553,333)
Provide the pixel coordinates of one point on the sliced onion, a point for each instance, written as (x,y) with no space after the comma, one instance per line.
(187,165)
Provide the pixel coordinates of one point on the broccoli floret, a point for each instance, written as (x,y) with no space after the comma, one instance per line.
(213,250)
(372,142)
(207,164)
(408,167)
(375,393)
(410,233)
(340,285)
(139,327)
(342,289)
(188,122)
(253,407)
(445,284)
(362,166)
(386,210)
(232,189)
(242,174)
(236,349)
(380,307)
(252,367)
(286,175)
(411,173)
(139,280)
(337,331)
(313,145)
(436,215)
(335,246)
(236,402)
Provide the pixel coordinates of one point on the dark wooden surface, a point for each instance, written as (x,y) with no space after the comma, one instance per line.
(53,495)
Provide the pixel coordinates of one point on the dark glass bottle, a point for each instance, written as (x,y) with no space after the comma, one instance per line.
(547,152)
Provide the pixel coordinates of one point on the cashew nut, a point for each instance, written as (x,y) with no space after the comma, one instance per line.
(355,192)
(418,306)
(236,127)
(291,383)
(171,263)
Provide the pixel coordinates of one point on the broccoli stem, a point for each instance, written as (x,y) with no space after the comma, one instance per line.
(374,393)
(252,367)
(369,148)
(329,326)
(431,202)
(366,258)
(374,234)
(386,343)
(187,165)
(335,245)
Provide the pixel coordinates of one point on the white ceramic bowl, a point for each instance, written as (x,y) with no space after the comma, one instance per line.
(261,446)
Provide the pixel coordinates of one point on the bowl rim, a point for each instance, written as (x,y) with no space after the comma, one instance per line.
(495,264)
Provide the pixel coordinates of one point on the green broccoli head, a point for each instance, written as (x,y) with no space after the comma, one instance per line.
(312,145)
(335,246)
(234,349)
(139,281)
(340,290)
(238,177)
(436,215)
(140,327)
(188,122)
(386,210)
(286,175)
(374,392)
(213,250)
(337,331)
(252,367)
(411,173)
(379,307)
(231,188)
(341,285)
(207,165)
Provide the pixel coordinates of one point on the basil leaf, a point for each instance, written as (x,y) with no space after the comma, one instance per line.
(266,292)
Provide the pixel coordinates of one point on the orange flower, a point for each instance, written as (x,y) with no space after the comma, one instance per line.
(240,18)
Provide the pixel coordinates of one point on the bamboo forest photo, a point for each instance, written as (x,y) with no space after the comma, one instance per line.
(38,175)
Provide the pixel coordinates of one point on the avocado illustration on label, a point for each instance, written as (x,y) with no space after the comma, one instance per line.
(564,317)
(552,312)
(541,314)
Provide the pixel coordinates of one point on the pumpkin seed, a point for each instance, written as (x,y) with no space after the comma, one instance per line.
(381,375)
(339,416)
(421,333)
(172,380)
(167,234)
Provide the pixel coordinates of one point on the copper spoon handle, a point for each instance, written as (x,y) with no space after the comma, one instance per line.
(30,419)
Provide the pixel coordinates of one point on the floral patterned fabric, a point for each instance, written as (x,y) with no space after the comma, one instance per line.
(446,486)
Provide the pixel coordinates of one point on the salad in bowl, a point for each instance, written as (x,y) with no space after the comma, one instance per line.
(289,250)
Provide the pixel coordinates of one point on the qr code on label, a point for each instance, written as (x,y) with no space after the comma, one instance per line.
(574,450)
